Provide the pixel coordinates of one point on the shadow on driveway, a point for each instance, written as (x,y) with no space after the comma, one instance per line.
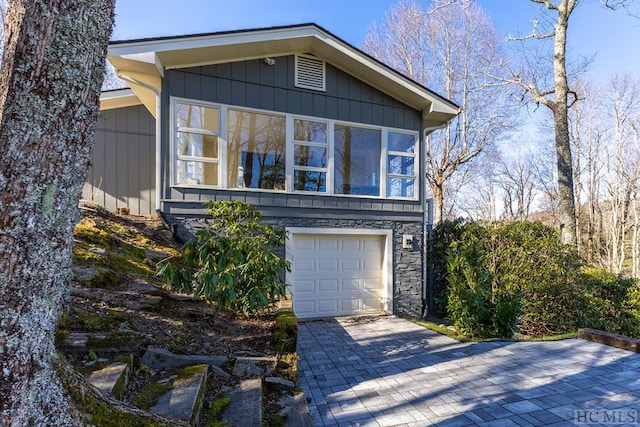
(387,371)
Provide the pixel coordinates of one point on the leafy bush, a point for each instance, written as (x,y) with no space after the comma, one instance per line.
(522,270)
(480,304)
(234,263)
(609,302)
(444,234)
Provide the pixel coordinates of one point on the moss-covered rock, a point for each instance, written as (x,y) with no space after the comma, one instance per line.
(285,335)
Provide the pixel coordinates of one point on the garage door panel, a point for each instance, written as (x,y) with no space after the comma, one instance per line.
(304,264)
(327,307)
(305,286)
(306,309)
(336,275)
(330,285)
(350,244)
(303,242)
(330,244)
(350,285)
(327,264)
(351,264)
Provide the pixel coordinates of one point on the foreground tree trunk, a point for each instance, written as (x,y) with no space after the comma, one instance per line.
(566,197)
(52,70)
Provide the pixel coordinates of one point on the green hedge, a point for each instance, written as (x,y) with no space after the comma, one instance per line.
(519,276)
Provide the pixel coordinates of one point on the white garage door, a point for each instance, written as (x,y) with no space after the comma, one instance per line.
(336,275)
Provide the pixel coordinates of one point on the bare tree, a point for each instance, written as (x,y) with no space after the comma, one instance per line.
(553,24)
(516,178)
(455,49)
(52,69)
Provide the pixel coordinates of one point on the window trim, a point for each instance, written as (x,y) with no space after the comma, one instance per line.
(175,130)
(289,153)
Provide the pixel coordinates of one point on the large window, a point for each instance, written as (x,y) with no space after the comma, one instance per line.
(356,160)
(256,150)
(197,150)
(227,147)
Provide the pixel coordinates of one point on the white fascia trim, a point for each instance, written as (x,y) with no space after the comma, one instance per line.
(118,99)
(387,261)
(142,51)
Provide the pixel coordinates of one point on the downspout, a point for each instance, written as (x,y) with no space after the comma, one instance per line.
(427,228)
(158,132)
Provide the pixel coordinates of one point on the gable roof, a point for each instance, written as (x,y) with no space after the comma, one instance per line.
(142,62)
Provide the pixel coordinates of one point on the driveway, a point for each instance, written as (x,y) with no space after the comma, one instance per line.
(387,371)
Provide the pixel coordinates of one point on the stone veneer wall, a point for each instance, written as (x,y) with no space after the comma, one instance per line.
(407,263)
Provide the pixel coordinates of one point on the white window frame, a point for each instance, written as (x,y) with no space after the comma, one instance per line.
(402,154)
(289,153)
(291,146)
(175,130)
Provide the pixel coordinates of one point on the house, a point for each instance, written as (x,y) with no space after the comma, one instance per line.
(325,140)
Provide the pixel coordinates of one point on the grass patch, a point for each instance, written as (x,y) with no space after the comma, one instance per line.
(441,329)
(556,337)
(444,330)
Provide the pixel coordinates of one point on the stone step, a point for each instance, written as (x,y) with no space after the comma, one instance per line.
(184,401)
(245,407)
(111,380)
(160,358)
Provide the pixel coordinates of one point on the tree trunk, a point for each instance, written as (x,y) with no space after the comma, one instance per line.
(566,199)
(52,70)
(438,204)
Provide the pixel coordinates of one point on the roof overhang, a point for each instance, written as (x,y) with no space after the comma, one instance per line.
(142,62)
(118,98)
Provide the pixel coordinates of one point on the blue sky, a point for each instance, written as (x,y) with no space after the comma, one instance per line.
(613,36)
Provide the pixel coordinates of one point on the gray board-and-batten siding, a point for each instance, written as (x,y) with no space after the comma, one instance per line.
(122,171)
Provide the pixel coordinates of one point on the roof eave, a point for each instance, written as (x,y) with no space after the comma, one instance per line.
(144,61)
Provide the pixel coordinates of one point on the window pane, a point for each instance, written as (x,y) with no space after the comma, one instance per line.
(200,173)
(306,130)
(310,156)
(310,181)
(195,116)
(402,142)
(194,144)
(256,150)
(400,165)
(356,160)
(400,187)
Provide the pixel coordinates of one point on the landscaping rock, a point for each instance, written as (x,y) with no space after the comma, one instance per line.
(280,381)
(160,358)
(245,408)
(145,289)
(155,255)
(296,410)
(107,378)
(103,342)
(251,367)
(84,274)
(184,401)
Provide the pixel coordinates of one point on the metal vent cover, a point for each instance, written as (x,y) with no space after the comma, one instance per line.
(310,73)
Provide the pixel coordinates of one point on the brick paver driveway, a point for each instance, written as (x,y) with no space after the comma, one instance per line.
(388,371)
